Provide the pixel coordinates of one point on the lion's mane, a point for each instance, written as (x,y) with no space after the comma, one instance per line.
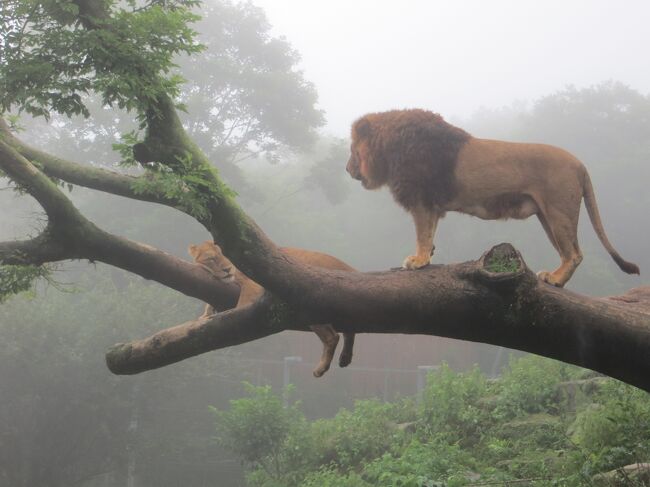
(415,152)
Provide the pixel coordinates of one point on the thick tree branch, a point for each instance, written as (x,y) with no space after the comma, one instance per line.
(146,261)
(193,338)
(36,251)
(84,175)
(69,235)
(475,301)
(30,179)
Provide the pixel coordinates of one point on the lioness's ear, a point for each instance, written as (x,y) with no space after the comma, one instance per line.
(361,128)
(192,250)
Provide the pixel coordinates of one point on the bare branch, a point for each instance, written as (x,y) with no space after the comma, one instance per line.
(193,338)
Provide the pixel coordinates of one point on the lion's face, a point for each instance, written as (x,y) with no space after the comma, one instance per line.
(361,166)
(209,254)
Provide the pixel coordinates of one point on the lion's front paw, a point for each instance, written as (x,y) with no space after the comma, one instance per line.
(415,262)
(549,278)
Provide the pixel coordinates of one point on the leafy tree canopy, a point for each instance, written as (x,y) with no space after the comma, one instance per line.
(56,52)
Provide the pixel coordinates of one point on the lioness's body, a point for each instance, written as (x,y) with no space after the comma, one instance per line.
(209,254)
(432,167)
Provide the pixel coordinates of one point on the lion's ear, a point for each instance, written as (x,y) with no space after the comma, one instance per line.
(362,128)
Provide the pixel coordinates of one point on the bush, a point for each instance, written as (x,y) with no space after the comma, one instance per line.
(329,477)
(436,463)
(450,405)
(353,437)
(256,427)
(529,386)
(616,431)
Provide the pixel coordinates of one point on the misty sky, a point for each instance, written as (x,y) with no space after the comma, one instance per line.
(456,56)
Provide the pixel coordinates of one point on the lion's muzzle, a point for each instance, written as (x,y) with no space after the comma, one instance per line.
(353,170)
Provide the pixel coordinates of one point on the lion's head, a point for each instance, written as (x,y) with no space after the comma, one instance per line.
(209,254)
(362,165)
(412,151)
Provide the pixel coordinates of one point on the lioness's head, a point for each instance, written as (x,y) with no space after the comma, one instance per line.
(209,254)
(363,165)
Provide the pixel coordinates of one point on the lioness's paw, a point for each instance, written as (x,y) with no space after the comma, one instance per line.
(345,359)
(320,370)
(549,278)
(415,262)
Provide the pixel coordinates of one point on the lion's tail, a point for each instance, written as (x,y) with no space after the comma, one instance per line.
(594,216)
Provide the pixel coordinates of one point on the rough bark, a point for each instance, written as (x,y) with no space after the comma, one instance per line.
(466,301)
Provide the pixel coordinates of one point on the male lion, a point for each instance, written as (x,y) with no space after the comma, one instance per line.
(209,255)
(432,167)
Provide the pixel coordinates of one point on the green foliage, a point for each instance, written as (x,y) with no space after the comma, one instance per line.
(463,433)
(432,464)
(53,54)
(502,264)
(256,427)
(616,430)
(15,279)
(125,148)
(357,435)
(191,185)
(529,385)
(450,404)
(330,477)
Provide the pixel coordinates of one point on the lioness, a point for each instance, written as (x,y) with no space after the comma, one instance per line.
(432,167)
(209,255)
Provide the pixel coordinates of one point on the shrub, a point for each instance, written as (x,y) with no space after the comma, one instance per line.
(450,405)
(615,431)
(352,437)
(329,477)
(436,463)
(256,427)
(529,386)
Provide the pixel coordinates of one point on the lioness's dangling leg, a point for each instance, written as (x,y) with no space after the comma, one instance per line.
(330,340)
(346,354)
(425,227)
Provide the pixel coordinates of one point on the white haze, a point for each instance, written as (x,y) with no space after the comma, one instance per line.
(456,56)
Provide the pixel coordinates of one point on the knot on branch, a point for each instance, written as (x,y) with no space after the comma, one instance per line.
(503,266)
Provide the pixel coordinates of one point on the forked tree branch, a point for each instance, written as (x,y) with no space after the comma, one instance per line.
(69,235)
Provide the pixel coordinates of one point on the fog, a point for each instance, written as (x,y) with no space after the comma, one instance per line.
(455,57)
(571,74)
